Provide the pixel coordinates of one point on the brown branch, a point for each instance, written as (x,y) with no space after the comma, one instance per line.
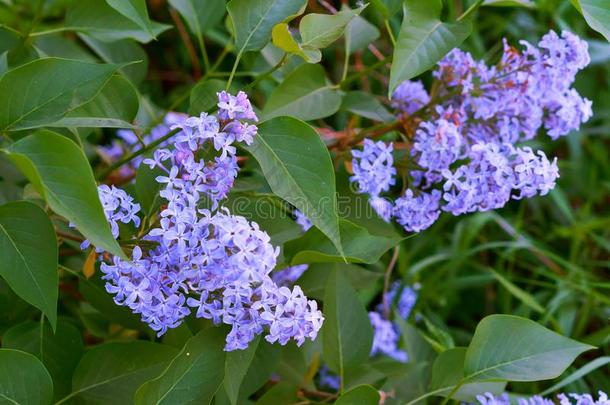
(187,42)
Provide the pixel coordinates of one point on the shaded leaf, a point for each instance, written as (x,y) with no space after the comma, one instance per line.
(506,347)
(193,376)
(26,103)
(359,34)
(597,14)
(200,15)
(60,172)
(281,393)
(366,105)
(28,248)
(236,366)
(298,168)
(203,96)
(23,379)
(305,93)
(361,395)
(423,40)
(320,30)
(136,11)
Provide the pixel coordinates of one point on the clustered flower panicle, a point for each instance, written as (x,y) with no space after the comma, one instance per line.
(206,259)
(468,155)
(564,399)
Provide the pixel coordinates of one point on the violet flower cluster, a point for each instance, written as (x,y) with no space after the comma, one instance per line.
(469,155)
(206,259)
(564,399)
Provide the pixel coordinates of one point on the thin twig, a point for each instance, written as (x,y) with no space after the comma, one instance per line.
(69,236)
(187,42)
(386,282)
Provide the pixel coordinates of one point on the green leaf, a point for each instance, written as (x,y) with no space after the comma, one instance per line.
(305,93)
(522,295)
(60,172)
(115,106)
(112,372)
(423,40)
(359,34)
(236,368)
(125,52)
(361,395)
(203,96)
(193,376)
(200,15)
(509,3)
(147,188)
(320,30)
(415,344)
(359,246)
(253,20)
(298,168)
(281,393)
(448,371)
(28,248)
(366,105)
(23,379)
(509,348)
(347,335)
(136,11)
(59,351)
(314,280)
(597,14)
(98,19)
(578,374)
(282,38)
(27,103)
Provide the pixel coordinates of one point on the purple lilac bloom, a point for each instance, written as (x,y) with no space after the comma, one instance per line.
(373,167)
(328,379)
(288,275)
(406,301)
(410,96)
(302,220)
(416,213)
(385,338)
(210,260)
(564,399)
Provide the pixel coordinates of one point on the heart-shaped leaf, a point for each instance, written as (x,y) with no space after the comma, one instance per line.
(23,379)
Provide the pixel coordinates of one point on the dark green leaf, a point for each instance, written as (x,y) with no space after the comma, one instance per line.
(27,103)
(416,346)
(98,19)
(253,20)
(314,280)
(448,371)
(281,393)
(347,335)
(59,351)
(236,366)
(359,246)
(423,40)
(147,189)
(597,14)
(320,30)
(203,96)
(28,248)
(361,395)
(59,170)
(136,11)
(23,379)
(112,372)
(509,348)
(193,376)
(305,94)
(366,105)
(261,369)
(115,106)
(200,15)
(298,168)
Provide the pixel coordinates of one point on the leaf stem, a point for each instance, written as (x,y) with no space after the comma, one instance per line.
(470,10)
(386,282)
(234,69)
(390,33)
(269,72)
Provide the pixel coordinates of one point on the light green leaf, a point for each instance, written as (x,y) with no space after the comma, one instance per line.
(193,376)
(298,168)
(305,94)
(23,379)
(200,15)
(60,352)
(115,106)
(236,367)
(359,34)
(136,11)
(509,348)
(448,371)
(60,172)
(98,19)
(321,30)
(28,248)
(361,395)
(597,14)
(282,38)
(253,20)
(359,246)
(423,40)
(27,103)
(509,3)
(112,372)
(347,334)
(366,105)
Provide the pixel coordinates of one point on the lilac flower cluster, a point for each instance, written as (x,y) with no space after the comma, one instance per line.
(208,259)
(564,399)
(467,155)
